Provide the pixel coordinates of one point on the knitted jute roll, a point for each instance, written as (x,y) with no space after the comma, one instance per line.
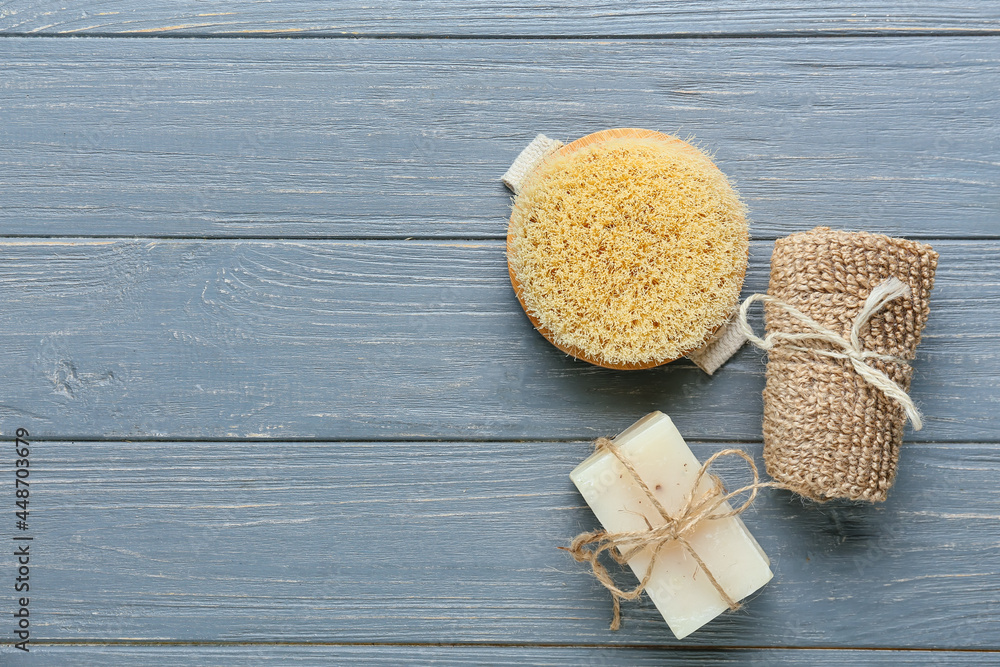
(829,433)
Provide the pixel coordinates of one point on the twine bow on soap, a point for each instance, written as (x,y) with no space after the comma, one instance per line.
(697,508)
(851,349)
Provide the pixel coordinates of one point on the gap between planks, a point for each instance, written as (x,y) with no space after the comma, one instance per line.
(671,647)
(791,34)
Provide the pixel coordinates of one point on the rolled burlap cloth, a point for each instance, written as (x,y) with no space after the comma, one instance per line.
(828,433)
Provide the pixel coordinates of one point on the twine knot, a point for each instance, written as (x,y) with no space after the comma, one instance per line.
(697,507)
(850,348)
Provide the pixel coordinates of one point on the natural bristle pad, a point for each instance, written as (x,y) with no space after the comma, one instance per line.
(628,248)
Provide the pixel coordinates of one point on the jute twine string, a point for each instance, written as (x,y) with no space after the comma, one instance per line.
(851,349)
(588,547)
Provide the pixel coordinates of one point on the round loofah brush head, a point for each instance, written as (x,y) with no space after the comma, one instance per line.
(627,248)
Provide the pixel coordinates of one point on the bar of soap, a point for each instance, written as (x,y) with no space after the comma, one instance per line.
(679,588)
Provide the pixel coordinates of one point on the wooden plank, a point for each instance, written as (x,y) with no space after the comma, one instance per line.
(197,656)
(387,340)
(426,543)
(546,17)
(400,138)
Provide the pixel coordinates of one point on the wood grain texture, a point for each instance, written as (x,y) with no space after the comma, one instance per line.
(440,17)
(268,429)
(457,542)
(399,138)
(388,340)
(199,656)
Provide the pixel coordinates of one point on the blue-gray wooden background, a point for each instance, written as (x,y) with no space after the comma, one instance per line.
(284,407)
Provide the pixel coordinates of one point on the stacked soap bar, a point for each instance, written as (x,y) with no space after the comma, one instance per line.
(682,593)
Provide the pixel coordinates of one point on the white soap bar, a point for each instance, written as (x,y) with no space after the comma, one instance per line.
(678,587)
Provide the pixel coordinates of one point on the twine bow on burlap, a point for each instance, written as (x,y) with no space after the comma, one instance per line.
(851,349)
(697,508)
